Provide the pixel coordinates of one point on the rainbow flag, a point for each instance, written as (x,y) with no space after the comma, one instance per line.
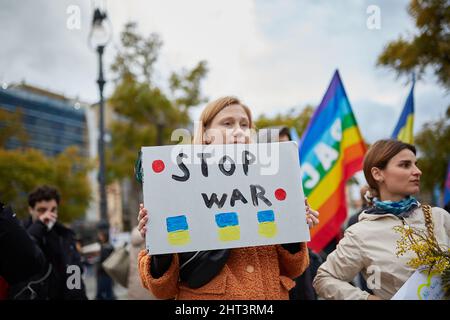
(331,151)
(404,129)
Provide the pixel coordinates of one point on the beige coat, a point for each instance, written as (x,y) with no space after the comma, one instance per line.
(369,246)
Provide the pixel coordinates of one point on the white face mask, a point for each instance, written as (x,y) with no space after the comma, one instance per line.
(50,225)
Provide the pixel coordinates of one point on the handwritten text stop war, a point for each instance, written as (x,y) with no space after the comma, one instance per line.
(228,167)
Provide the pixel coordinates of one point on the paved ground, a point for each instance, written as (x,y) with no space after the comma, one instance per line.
(91,286)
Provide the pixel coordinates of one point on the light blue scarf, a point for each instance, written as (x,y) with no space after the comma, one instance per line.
(397,208)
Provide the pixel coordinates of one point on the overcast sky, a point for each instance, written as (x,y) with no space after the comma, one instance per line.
(274,55)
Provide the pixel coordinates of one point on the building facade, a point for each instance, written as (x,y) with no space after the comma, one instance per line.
(52,122)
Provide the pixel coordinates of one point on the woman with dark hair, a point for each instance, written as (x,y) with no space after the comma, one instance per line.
(369,246)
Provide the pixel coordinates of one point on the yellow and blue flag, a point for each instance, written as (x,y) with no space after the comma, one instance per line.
(178,230)
(404,129)
(266,223)
(228,223)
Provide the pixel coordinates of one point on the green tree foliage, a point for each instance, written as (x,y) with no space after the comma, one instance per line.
(145,114)
(185,87)
(433,143)
(24,170)
(430,47)
(70,175)
(137,54)
(292,119)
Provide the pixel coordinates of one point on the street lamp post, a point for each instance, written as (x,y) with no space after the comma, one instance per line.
(98,38)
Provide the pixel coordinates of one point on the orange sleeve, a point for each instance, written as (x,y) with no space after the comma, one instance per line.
(293,265)
(165,287)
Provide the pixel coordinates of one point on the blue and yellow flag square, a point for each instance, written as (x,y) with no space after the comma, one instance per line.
(228,223)
(266,224)
(177,230)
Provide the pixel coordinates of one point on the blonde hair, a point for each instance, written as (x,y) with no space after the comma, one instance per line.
(211,110)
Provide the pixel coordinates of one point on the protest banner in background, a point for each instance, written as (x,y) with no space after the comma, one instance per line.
(205,197)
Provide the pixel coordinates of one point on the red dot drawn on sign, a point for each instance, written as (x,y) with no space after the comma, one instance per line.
(158,166)
(280,194)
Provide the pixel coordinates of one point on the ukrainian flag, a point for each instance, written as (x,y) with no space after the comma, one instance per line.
(177,230)
(267,227)
(229,229)
(404,129)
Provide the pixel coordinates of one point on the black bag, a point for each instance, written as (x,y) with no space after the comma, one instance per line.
(198,268)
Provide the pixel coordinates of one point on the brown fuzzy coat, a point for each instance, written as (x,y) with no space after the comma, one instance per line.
(259,273)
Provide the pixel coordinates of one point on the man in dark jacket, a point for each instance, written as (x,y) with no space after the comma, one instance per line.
(57,242)
(24,271)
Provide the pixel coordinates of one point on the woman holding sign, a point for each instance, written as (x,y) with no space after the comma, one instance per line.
(264,272)
(369,246)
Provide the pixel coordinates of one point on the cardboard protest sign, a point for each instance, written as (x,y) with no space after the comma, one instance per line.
(421,286)
(205,197)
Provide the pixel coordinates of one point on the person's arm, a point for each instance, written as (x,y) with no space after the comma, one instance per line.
(293,259)
(136,239)
(342,265)
(160,264)
(21,256)
(293,248)
(166,285)
(37,231)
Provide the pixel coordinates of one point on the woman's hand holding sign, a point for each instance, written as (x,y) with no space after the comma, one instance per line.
(312,216)
(142,219)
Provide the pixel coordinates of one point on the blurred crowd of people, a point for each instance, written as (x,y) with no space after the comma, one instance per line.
(43,259)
